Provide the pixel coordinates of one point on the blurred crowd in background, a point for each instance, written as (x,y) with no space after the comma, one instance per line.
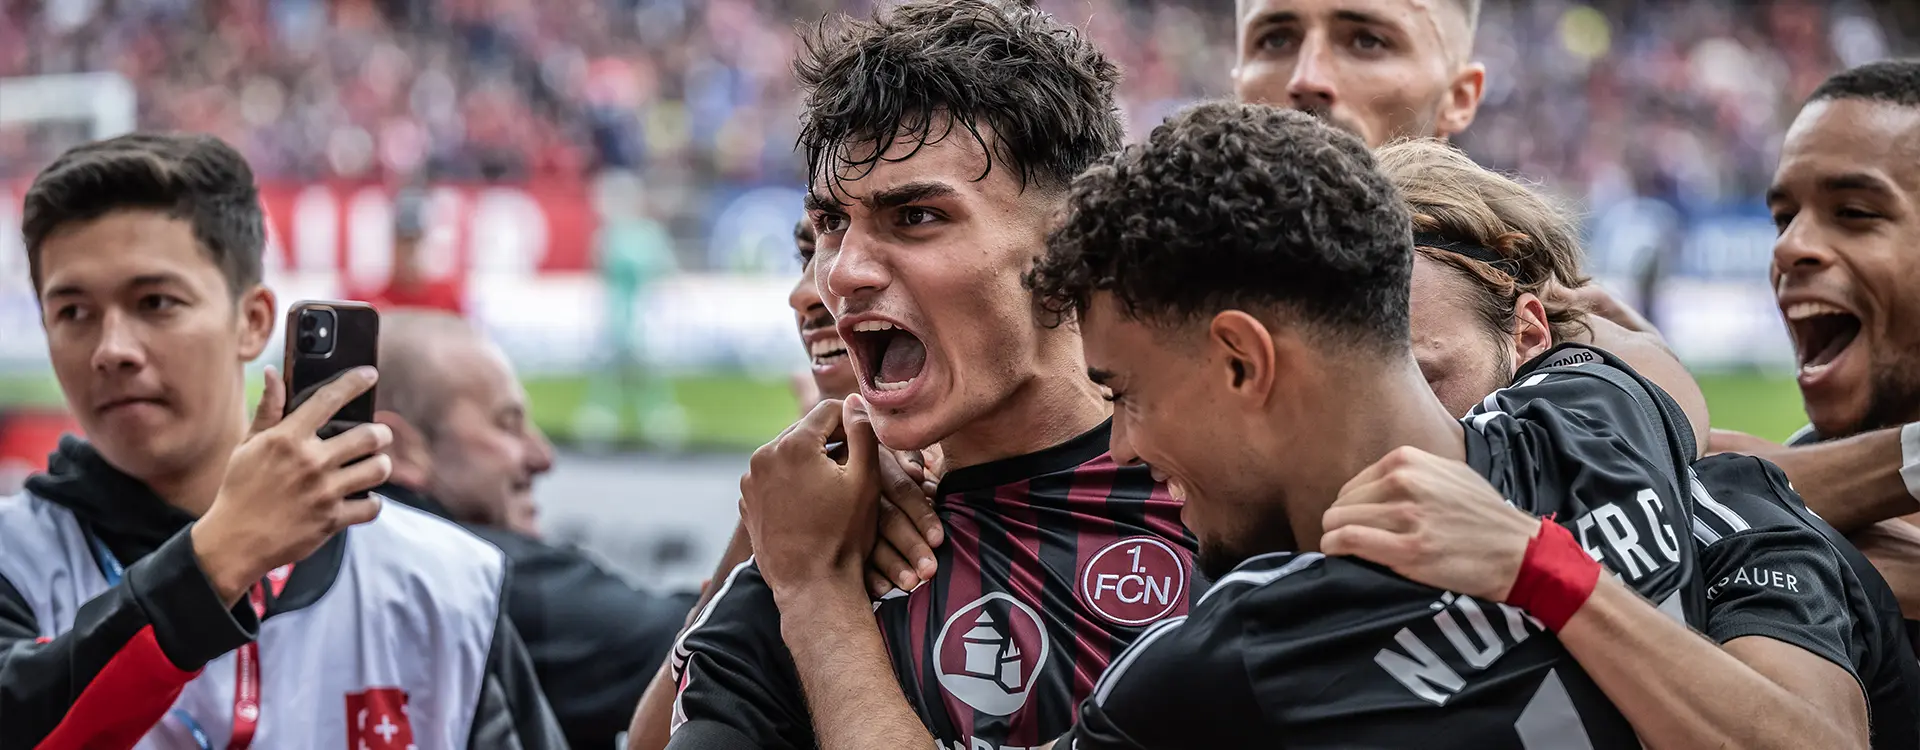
(1677,100)
(610,186)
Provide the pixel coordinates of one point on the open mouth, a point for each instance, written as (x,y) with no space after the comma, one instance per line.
(827,352)
(1821,333)
(890,356)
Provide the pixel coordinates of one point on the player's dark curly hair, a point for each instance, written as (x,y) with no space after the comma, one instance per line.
(920,69)
(1238,206)
(1892,81)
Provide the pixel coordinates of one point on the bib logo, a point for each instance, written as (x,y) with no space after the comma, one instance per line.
(990,652)
(377,720)
(1134,581)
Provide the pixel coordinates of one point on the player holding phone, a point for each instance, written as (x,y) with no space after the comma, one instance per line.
(142,574)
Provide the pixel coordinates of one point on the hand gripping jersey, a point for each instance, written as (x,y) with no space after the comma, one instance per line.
(1054,562)
(1774,569)
(1299,650)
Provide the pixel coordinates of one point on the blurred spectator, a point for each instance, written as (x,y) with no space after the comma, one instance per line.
(410,286)
(1679,102)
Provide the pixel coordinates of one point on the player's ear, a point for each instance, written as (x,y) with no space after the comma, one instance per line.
(1533,332)
(1463,100)
(254,319)
(1244,347)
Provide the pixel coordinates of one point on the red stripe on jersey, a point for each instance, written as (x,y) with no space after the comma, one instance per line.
(963,586)
(1020,519)
(1092,486)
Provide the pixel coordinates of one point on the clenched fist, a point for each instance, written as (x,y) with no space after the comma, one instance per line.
(811,517)
(1432,520)
(285,491)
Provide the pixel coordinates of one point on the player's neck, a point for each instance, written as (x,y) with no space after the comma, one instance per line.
(1377,414)
(1047,410)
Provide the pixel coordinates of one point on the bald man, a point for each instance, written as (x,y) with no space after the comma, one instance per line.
(465,449)
(1382,69)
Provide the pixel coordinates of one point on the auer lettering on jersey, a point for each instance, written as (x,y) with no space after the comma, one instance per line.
(1633,536)
(1433,658)
(1755,578)
(1435,674)
(1134,581)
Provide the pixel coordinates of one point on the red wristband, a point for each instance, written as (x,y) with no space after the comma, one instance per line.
(1556,576)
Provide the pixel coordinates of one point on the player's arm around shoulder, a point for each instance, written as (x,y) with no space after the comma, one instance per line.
(1438,522)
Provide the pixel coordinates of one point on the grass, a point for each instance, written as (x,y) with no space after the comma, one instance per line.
(733,411)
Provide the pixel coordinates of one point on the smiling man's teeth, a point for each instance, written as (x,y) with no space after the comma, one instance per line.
(1805,310)
(826,348)
(873,325)
(902,385)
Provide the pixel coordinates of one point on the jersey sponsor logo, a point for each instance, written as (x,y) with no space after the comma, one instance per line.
(1755,578)
(1134,581)
(377,720)
(1571,358)
(989,653)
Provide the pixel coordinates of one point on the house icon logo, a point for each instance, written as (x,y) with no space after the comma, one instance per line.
(990,652)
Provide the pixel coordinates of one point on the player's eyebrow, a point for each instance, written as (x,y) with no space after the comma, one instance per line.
(1848,182)
(817,202)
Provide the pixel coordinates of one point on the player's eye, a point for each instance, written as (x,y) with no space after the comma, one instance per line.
(68,313)
(1274,41)
(1849,213)
(1112,396)
(159,303)
(829,223)
(914,216)
(806,258)
(1368,41)
(1782,220)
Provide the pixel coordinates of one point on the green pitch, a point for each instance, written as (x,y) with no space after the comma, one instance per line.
(732,411)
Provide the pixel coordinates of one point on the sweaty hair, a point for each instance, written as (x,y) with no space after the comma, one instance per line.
(1451,196)
(921,69)
(1892,81)
(196,178)
(1238,206)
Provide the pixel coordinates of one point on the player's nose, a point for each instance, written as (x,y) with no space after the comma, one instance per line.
(1313,86)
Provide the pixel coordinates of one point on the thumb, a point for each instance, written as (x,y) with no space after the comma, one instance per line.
(273,402)
(863,447)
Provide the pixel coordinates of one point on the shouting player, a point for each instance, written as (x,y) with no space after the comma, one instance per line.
(1846,199)
(1381,69)
(942,137)
(1489,251)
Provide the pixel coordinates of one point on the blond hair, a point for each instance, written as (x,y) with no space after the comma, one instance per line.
(1460,201)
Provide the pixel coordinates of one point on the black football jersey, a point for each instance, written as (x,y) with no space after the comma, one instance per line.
(1774,569)
(1299,650)
(1054,562)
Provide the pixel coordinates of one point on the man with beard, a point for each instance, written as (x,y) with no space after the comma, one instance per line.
(941,137)
(1380,69)
(1846,199)
(1488,294)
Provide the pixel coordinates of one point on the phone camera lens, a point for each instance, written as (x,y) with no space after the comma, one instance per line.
(308,342)
(308,321)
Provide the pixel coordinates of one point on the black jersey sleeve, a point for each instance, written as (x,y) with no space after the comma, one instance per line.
(1768,572)
(1176,687)
(737,685)
(1602,396)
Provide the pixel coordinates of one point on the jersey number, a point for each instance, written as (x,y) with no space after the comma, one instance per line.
(1550,721)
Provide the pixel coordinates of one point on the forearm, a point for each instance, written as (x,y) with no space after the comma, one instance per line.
(653,718)
(850,687)
(1894,548)
(1851,483)
(1682,691)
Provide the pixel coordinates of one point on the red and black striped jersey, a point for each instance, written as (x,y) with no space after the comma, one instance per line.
(1054,563)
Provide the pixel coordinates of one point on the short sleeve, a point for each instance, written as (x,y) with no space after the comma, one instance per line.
(736,683)
(1768,572)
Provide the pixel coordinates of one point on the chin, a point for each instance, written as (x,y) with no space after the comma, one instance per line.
(910,431)
(144,457)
